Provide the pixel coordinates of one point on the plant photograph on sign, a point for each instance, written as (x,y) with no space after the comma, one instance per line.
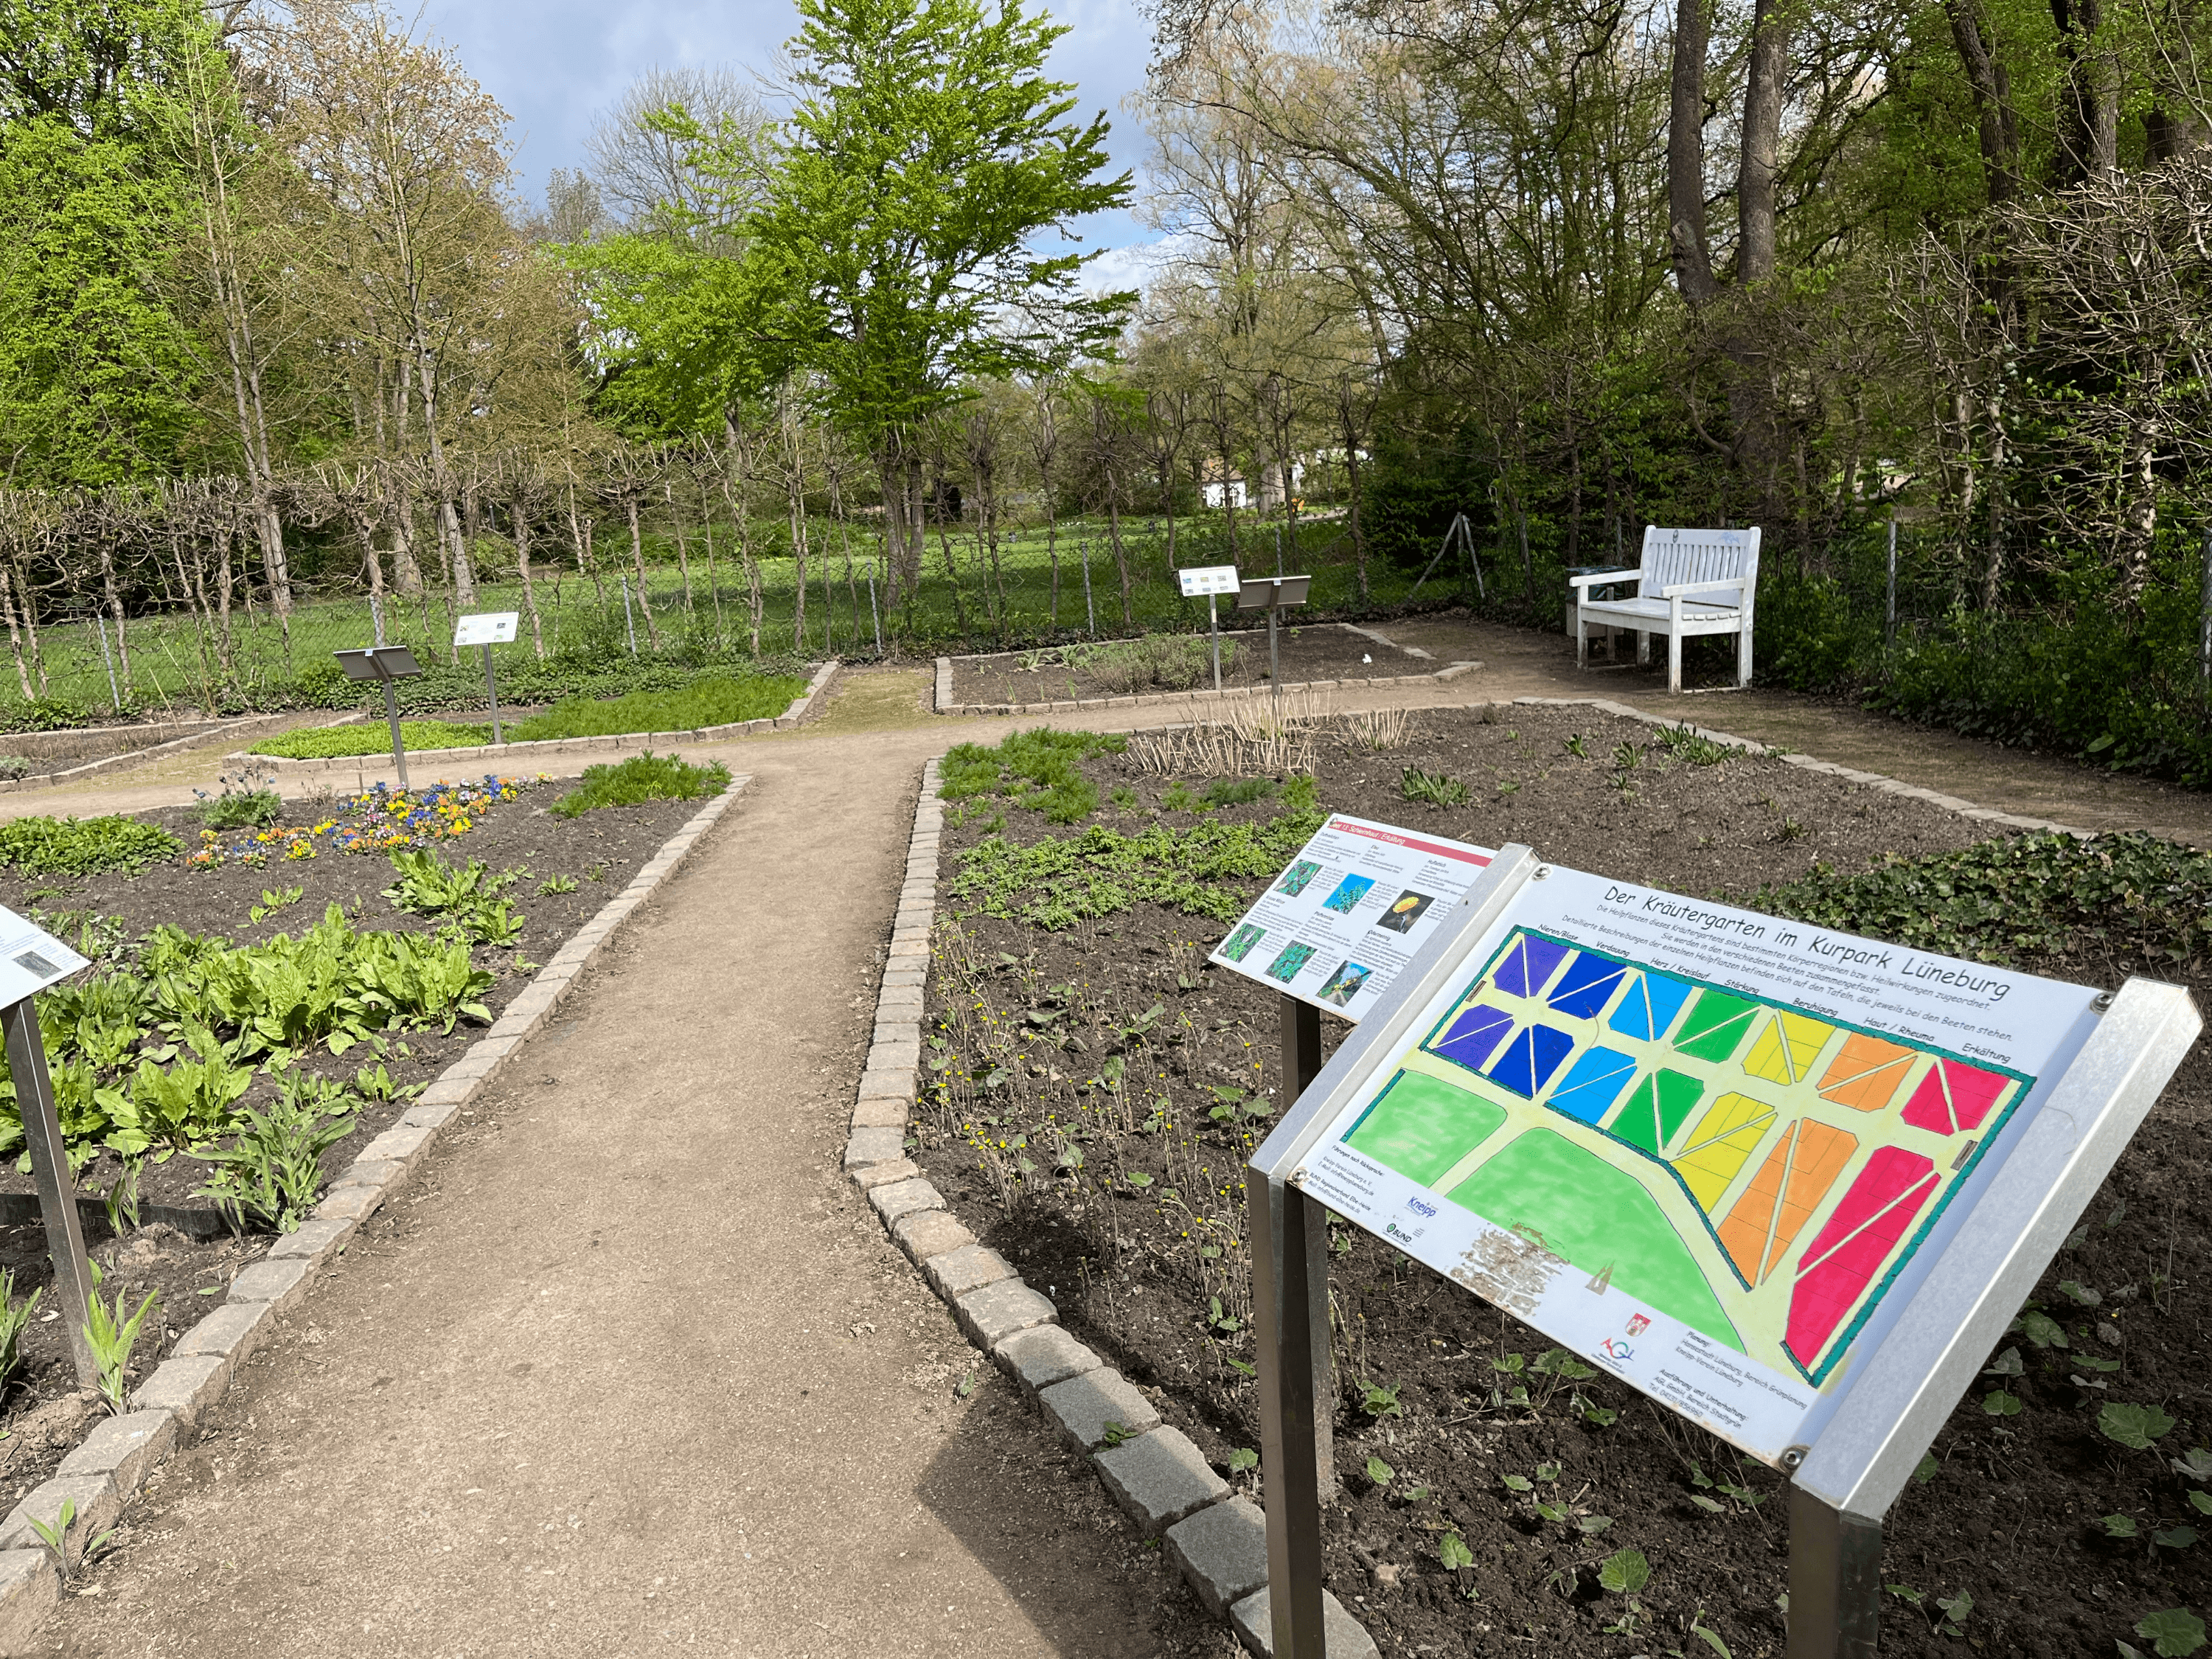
(1404,910)
(1297,877)
(1092,1088)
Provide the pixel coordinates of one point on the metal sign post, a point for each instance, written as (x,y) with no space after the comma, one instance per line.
(1535,965)
(1212,581)
(385,663)
(486,630)
(30,960)
(1273,594)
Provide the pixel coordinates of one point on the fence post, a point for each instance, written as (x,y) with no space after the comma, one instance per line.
(1889,615)
(100,622)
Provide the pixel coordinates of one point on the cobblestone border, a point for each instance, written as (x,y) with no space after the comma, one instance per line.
(1194,698)
(1888,786)
(801,706)
(106,1470)
(1217,1541)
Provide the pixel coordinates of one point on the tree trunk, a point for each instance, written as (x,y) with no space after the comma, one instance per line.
(637,558)
(1763,92)
(2088,117)
(519,512)
(683,553)
(15,632)
(1686,154)
(1993,106)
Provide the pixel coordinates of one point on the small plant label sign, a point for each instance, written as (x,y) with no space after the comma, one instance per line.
(487,628)
(1349,911)
(1710,1150)
(31,959)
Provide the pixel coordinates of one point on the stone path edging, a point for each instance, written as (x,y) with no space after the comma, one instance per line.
(1888,786)
(1196,699)
(1217,1541)
(134,756)
(799,708)
(107,1469)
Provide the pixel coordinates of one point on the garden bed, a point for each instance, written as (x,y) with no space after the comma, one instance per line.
(1093,1088)
(1180,662)
(575,866)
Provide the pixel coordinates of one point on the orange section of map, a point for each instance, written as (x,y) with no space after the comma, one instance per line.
(1865,1073)
(1789,1187)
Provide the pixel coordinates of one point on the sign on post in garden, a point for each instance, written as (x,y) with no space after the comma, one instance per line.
(1792,1183)
(31,960)
(1349,911)
(1211,581)
(1710,1151)
(487,628)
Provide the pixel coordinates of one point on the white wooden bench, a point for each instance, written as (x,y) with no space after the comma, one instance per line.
(1690,581)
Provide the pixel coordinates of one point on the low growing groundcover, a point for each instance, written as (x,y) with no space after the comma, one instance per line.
(314,990)
(1092,1088)
(721,700)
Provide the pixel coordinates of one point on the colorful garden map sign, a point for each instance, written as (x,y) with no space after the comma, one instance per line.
(1711,1151)
(1349,911)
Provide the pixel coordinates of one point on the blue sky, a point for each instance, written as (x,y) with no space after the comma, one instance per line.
(556,64)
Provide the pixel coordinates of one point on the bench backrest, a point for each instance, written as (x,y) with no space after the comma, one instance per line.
(1699,555)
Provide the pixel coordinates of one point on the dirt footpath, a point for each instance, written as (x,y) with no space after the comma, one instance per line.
(628,1367)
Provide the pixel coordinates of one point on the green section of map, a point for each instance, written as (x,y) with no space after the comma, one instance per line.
(1597,1219)
(1424,1126)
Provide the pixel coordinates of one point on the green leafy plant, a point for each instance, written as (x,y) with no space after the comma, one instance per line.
(84,846)
(14,1319)
(553,884)
(120,1201)
(1241,1458)
(1378,1401)
(369,737)
(272,902)
(1379,1472)
(1623,1572)
(1114,1434)
(1682,743)
(466,896)
(1453,1553)
(269,1177)
(2136,1427)
(54,1540)
(641,778)
(1039,770)
(2172,1634)
(1432,789)
(243,800)
(110,1336)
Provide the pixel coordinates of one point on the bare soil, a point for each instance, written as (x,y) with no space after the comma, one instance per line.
(1322,651)
(600,851)
(1141,1245)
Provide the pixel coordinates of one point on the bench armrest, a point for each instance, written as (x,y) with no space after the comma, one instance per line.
(1684,590)
(1605,579)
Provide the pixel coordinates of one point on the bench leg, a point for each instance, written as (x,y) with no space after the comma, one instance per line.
(1581,640)
(1643,648)
(1675,664)
(1743,657)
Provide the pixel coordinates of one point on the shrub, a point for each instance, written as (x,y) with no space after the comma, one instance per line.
(246,801)
(642,778)
(1172,662)
(84,846)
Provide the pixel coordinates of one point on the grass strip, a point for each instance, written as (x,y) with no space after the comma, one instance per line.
(642,778)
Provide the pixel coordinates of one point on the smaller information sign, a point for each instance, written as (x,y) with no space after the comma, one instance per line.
(1201,580)
(488,627)
(31,959)
(1355,904)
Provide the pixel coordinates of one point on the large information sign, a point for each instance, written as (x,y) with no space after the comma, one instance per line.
(1710,1150)
(1355,904)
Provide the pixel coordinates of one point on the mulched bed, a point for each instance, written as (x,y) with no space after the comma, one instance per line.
(1323,651)
(601,851)
(1155,1276)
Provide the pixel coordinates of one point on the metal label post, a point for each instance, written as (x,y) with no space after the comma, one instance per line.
(42,1134)
(1273,594)
(1212,581)
(386,663)
(485,629)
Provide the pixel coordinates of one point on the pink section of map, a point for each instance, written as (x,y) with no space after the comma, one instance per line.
(1954,1098)
(1843,1260)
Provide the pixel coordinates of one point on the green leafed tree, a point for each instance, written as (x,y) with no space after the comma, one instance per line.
(902,242)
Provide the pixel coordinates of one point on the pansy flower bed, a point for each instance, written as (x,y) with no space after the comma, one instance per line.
(381,819)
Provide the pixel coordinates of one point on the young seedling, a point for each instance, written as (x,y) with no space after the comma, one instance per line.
(2172,1634)
(1114,1434)
(111,1336)
(1453,1553)
(55,1539)
(1380,1473)
(1380,1402)
(2136,1427)
(1243,1458)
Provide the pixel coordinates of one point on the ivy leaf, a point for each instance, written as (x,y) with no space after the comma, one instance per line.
(1623,1572)
(2173,1633)
(2132,1426)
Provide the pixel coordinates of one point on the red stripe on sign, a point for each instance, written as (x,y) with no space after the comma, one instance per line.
(1465,855)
